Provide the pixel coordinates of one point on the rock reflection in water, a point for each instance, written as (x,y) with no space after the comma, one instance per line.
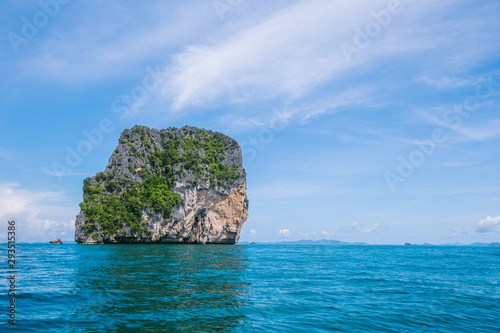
(162,287)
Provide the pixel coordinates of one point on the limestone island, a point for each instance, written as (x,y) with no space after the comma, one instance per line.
(56,241)
(176,185)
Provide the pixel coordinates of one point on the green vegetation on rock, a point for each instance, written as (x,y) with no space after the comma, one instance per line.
(111,205)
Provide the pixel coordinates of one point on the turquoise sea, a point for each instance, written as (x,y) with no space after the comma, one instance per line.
(253,288)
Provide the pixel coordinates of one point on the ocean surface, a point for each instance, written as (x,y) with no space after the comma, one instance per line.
(253,288)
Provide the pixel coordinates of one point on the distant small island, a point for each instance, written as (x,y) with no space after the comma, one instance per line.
(309,242)
(175,185)
(56,241)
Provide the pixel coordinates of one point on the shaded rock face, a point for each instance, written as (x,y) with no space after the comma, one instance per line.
(174,185)
(56,241)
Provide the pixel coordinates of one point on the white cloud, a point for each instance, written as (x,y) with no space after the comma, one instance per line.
(285,54)
(284,232)
(351,228)
(488,224)
(252,232)
(356,227)
(327,235)
(314,235)
(460,231)
(372,229)
(26,206)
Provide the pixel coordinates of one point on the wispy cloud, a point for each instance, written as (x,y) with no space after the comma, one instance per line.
(286,54)
(458,231)
(350,228)
(284,190)
(314,235)
(357,227)
(327,235)
(65,174)
(445,82)
(489,129)
(371,229)
(298,112)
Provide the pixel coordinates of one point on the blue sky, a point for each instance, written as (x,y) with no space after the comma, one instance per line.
(372,121)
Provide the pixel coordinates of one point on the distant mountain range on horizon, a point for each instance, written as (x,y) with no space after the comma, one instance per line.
(337,242)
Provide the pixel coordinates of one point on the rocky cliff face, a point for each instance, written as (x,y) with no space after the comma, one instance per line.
(174,185)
